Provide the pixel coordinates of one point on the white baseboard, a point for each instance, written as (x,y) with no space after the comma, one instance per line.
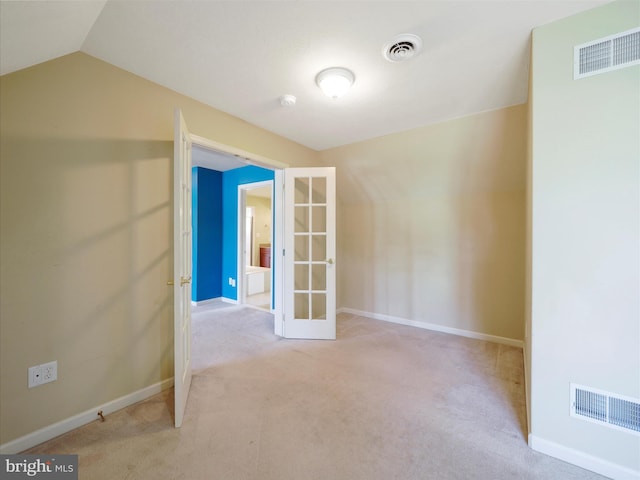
(438,328)
(583,460)
(91,415)
(206,302)
(211,301)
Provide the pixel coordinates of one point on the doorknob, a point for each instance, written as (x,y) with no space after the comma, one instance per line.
(330,261)
(184,281)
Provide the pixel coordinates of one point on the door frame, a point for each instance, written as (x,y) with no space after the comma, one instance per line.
(241,289)
(278,167)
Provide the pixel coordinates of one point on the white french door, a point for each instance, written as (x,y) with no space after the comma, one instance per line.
(309,256)
(181,265)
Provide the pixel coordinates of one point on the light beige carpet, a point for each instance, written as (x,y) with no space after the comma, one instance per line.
(383,402)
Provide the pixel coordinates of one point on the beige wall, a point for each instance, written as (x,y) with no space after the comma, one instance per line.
(432,223)
(86,232)
(585,311)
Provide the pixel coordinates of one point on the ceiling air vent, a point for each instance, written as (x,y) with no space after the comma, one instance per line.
(605,408)
(606,54)
(402,47)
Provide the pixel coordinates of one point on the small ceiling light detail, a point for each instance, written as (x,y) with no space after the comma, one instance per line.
(287,100)
(335,81)
(402,47)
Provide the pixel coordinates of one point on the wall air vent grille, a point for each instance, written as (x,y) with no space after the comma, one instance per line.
(591,405)
(606,54)
(605,408)
(624,413)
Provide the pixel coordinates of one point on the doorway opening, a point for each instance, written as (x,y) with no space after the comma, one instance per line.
(243,174)
(183,275)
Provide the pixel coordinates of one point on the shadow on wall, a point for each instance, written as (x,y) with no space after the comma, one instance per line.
(432,224)
(491,231)
(87,232)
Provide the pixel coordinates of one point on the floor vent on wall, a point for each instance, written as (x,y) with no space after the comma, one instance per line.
(606,54)
(605,408)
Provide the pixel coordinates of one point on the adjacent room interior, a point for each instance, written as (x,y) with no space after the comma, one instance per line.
(257,246)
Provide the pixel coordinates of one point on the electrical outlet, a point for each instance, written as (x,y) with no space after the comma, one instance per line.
(35,375)
(49,372)
(45,373)
(232,282)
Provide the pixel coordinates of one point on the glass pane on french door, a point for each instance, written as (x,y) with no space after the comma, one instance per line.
(310,244)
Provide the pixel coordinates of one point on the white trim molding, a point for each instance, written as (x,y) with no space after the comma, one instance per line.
(583,460)
(250,157)
(437,328)
(208,301)
(51,431)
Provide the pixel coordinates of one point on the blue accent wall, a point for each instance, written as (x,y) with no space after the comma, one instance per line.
(230,181)
(207,225)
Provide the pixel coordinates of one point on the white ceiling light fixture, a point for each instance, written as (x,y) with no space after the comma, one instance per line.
(335,81)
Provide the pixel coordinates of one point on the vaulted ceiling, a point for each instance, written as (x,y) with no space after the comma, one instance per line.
(241,56)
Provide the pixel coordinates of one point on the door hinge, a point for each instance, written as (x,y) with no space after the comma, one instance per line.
(283,252)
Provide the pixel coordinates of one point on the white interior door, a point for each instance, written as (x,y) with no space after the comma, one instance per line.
(309,257)
(181,265)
